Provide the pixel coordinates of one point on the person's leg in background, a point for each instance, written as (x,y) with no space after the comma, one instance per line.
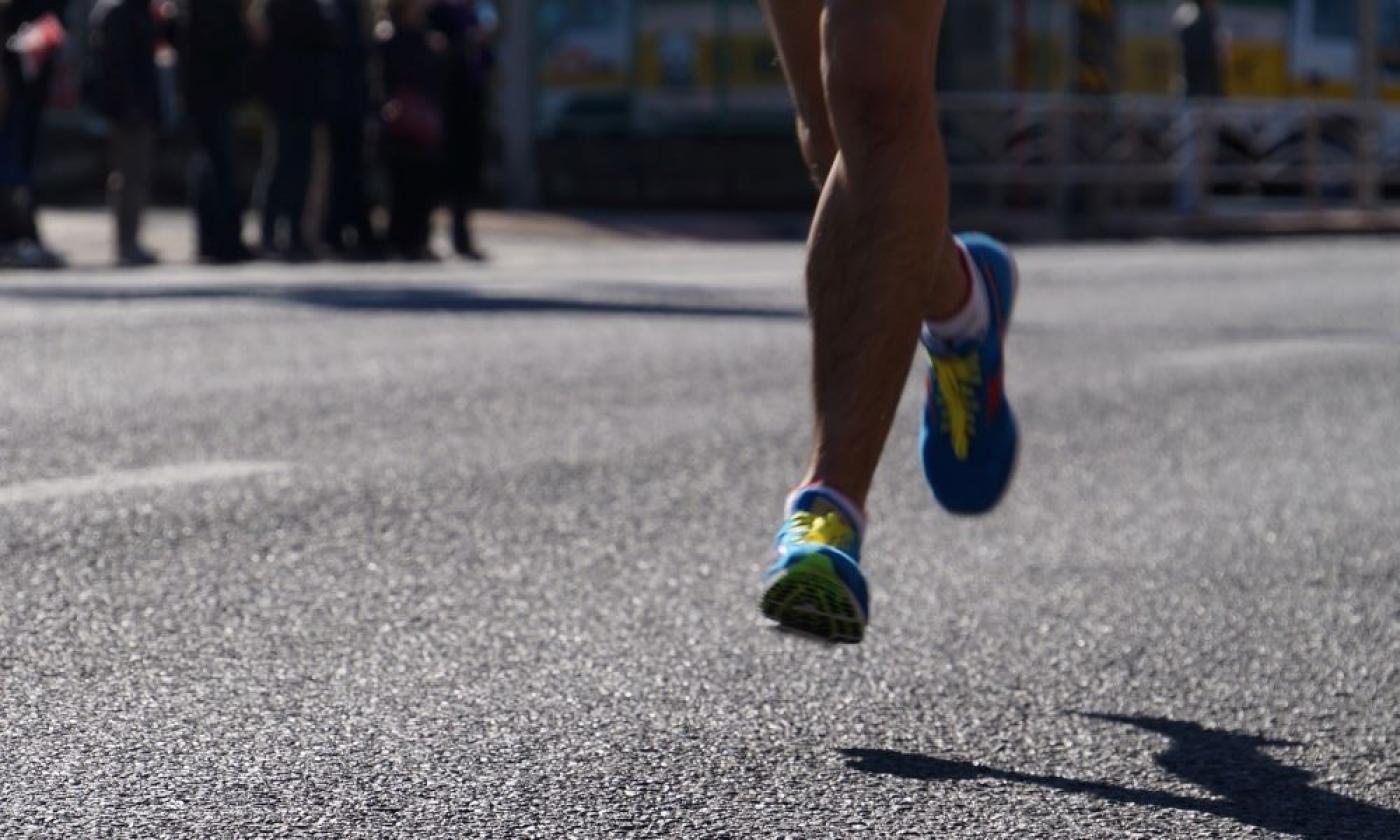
(413,190)
(396,164)
(298,148)
(425,190)
(128,185)
(347,210)
(333,230)
(15,221)
(203,200)
(31,118)
(265,190)
(466,137)
(285,202)
(20,243)
(218,207)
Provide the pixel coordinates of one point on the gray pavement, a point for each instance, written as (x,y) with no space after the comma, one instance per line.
(372,551)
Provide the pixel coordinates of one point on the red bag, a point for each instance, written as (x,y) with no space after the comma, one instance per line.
(411,118)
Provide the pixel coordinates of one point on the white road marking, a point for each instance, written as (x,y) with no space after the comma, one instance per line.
(172,475)
(1267,352)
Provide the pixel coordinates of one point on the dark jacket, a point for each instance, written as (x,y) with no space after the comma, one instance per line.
(411,65)
(298,62)
(411,61)
(215,52)
(122,40)
(469,61)
(349,95)
(1201,53)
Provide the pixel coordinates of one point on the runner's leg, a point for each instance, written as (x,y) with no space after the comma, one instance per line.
(881,262)
(797,31)
(880,259)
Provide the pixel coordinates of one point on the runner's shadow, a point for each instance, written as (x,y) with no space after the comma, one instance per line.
(1247,784)
(410,299)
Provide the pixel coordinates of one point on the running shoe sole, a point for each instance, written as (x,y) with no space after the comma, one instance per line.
(809,598)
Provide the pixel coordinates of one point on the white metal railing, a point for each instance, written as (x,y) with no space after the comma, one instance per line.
(1079,160)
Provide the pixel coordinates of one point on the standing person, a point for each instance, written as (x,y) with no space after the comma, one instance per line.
(215,50)
(31,32)
(1204,58)
(883,275)
(413,132)
(1204,47)
(122,53)
(468,26)
(347,229)
(295,77)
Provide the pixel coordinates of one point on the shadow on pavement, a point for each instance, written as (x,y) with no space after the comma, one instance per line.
(394,299)
(1250,786)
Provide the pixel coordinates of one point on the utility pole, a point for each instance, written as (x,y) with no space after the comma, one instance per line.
(1094,81)
(1368,94)
(518,103)
(1095,47)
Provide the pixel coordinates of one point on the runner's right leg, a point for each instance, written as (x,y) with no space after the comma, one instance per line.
(880,262)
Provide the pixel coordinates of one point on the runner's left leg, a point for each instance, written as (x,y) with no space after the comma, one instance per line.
(880,262)
(880,259)
(796,26)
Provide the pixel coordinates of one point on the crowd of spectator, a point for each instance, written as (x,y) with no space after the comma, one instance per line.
(403,85)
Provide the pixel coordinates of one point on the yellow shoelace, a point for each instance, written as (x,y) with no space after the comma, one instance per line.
(958,378)
(821,528)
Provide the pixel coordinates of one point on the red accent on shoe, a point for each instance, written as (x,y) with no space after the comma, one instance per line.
(994,397)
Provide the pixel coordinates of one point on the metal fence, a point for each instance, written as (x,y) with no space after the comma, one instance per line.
(1042,165)
(1066,165)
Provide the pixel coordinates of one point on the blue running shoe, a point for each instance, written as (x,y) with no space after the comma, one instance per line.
(814,586)
(969,438)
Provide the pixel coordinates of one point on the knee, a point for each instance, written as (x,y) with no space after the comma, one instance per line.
(818,148)
(878,75)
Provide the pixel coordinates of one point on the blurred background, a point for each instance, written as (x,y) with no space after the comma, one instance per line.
(1110,117)
(426,550)
(1061,117)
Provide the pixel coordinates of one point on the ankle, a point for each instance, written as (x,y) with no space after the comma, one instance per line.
(971,318)
(953,284)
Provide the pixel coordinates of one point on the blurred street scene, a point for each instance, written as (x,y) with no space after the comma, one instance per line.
(339,126)
(1124,116)
(396,399)
(331,120)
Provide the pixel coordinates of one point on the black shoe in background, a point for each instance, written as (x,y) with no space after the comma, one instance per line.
(466,248)
(136,257)
(30,254)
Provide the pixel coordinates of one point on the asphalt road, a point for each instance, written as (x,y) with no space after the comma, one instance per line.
(455,551)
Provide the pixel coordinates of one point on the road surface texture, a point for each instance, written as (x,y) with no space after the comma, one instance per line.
(450,551)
